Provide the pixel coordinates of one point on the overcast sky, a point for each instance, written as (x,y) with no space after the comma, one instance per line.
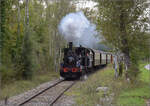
(85,4)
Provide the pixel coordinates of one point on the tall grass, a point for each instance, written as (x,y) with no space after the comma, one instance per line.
(20,86)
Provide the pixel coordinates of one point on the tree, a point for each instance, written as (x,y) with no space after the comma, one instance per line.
(124,25)
(2,30)
(54,13)
(2,25)
(29,37)
(27,47)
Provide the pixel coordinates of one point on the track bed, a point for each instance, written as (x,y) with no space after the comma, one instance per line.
(49,96)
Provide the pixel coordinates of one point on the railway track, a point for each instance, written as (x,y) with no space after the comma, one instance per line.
(50,95)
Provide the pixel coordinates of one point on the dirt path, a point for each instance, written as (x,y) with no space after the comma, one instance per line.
(148,103)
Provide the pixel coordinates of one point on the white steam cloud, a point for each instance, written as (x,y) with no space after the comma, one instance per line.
(76,28)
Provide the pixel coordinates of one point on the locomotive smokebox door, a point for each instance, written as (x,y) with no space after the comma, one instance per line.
(70,45)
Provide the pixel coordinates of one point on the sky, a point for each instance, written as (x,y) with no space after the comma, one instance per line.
(85,4)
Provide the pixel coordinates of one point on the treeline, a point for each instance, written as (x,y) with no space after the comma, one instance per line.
(29,38)
(124,25)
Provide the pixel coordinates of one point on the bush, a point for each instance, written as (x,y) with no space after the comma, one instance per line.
(133,72)
(6,74)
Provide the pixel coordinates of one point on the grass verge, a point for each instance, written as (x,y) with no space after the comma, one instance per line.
(124,93)
(21,86)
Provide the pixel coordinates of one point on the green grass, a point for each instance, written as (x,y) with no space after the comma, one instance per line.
(126,94)
(138,93)
(85,91)
(145,74)
(21,86)
(132,101)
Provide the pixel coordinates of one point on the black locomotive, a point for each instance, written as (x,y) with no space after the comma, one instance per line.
(80,60)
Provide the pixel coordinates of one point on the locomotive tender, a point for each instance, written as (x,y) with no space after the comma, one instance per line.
(80,60)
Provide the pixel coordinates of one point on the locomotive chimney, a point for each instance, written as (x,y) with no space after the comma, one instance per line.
(70,45)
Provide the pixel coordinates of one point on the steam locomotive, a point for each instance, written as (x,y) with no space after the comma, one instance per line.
(80,60)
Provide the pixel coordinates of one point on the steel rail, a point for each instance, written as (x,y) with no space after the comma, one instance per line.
(55,100)
(26,101)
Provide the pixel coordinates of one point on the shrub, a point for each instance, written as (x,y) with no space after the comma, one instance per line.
(133,72)
(7,74)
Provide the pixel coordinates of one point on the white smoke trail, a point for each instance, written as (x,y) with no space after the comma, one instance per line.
(76,27)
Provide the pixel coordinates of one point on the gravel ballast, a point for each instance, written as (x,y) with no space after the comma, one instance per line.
(15,100)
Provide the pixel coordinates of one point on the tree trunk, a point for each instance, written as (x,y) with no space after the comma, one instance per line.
(127,60)
(27,47)
(2,31)
(127,63)
(2,27)
(55,52)
(124,41)
(60,56)
(18,29)
(120,69)
(120,64)
(50,48)
(26,19)
(18,34)
(115,66)
(27,12)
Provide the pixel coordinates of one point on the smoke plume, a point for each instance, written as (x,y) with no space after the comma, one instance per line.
(76,28)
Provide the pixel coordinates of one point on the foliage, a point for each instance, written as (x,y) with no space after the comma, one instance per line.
(27,50)
(26,56)
(124,26)
(7,74)
(133,73)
